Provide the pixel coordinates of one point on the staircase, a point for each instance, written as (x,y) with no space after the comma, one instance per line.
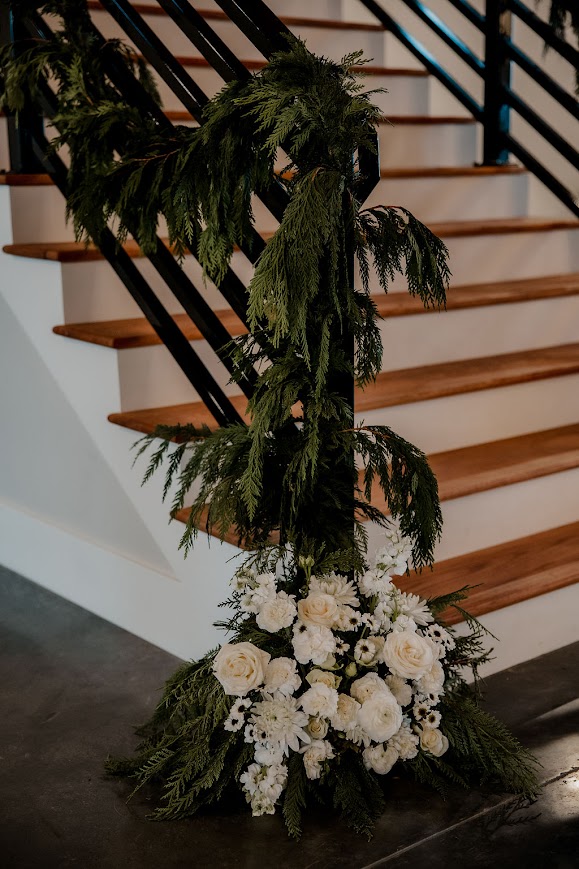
(489,389)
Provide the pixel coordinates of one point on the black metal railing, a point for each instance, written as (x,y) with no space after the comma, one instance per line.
(30,154)
(501,55)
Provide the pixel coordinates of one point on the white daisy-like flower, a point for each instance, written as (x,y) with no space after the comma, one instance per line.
(372,622)
(368,650)
(431,719)
(439,635)
(420,710)
(339,587)
(341,647)
(234,723)
(405,741)
(348,619)
(279,723)
(313,643)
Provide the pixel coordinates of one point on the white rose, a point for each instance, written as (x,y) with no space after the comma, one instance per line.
(380,716)
(240,667)
(320,700)
(401,689)
(314,756)
(281,675)
(368,650)
(433,741)
(276,613)
(318,609)
(324,676)
(346,714)
(408,654)
(317,728)
(365,687)
(380,759)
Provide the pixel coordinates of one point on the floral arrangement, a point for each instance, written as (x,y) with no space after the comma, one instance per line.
(366,673)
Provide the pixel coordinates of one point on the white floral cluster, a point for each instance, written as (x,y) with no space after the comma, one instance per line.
(366,670)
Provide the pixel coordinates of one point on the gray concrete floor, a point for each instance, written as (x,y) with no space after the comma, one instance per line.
(73,686)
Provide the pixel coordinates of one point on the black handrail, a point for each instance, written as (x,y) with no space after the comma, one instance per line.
(499,97)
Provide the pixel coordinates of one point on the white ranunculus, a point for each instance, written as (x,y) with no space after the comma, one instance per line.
(318,609)
(433,741)
(401,689)
(407,654)
(365,687)
(281,675)
(240,667)
(320,700)
(380,716)
(314,755)
(346,714)
(317,728)
(380,759)
(324,676)
(368,650)
(277,612)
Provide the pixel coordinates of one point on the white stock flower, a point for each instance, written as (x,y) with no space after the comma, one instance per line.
(339,587)
(394,556)
(407,654)
(251,778)
(432,681)
(278,723)
(240,667)
(404,623)
(260,588)
(320,700)
(433,741)
(414,606)
(367,651)
(380,716)
(317,728)
(346,714)
(268,756)
(313,643)
(405,741)
(314,755)
(401,689)
(281,676)
(277,612)
(379,758)
(318,609)
(383,613)
(324,676)
(260,805)
(374,582)
(365,687)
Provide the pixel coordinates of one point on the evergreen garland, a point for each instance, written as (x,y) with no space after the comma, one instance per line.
(291,474)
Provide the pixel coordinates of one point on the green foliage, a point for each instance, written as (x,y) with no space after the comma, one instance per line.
(356,794)
(563,14)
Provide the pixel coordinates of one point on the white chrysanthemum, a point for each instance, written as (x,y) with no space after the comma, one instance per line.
(346,714)
(400,688)
(374,582)
(314,755)
(365,687)
(358,736)
(313,643)
(281,677)
(319,700)
(431,682)
(405,741)
(277,612)
(414,606)
(279,723)
(394,556)
(379,758)
(339,587)
(380,716)
(368,650)
(348,619)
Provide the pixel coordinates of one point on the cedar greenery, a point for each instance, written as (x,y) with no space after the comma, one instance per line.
(290,474)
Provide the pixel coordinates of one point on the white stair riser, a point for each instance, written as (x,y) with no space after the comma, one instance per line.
(427,339)
(469,418)
(38,214)
(428,145)
(4,150)
(407,95)
(92,291)
(443,198)
(320,9)
(334,43)
(505,513)
(507,256)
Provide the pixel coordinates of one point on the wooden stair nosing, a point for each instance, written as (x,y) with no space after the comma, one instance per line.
(390,120)
(14,179)
(506,574)
(452,171)
(137,332)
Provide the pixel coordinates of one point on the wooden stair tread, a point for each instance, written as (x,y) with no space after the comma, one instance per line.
(64,251)
(452,171)
(12,179)
(409,385)
(289,20)
(506,574)
(498,226)
(255,64)
(137,332)
(194,412)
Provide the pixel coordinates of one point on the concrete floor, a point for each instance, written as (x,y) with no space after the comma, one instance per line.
(72,687)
